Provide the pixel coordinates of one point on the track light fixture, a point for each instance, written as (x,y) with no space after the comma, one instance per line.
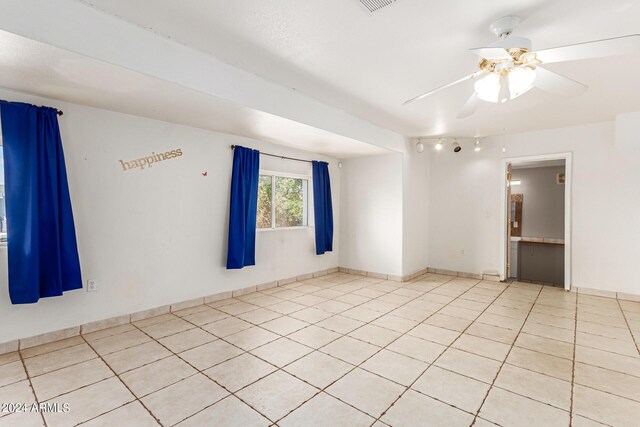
(456,147)
(419,146)
(476,145)
(439,145)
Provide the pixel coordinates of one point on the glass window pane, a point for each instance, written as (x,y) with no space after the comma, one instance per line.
(290,200)
(264,202)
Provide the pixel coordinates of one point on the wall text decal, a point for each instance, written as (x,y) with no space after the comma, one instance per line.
(149,161)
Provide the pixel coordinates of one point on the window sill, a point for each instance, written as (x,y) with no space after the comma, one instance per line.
(301,227)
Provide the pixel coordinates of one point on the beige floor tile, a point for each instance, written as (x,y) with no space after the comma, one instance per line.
(395,323)
(415,409)
(350,350)
(471,305)
(286,307)
(22,419)
(103,333)
(238,308)
(5,358)
(604,407)
(131,414)
(500,321)
(545,345)
(205,317)
(474,366)
(134,357)
(19,392)
(362,314)
(455,389)
(259,316)
(375,335)
(281,352)
(182,341)
(479,422)
(251,338)
(191,310)
(308,300)
(448,322)
(412,313)
(183,399)
(624,347)
(367,392)
(551,320)
(284,325)
(340,324)
(578,421)
(334,307)
(261,396)
(228,326)
(118,342)
(417,348)
(84,403)
(612,361)
(239,371)
(605,380)
(11,373)
(482,347)
(542,363)
(353,299)
(314,336)
(540,387)
(618,322)
(229,412)
(509,311)
(324,410)
(55,345)
(154,376)
(319,369)
(509,409)
(504,335)
(396,367)
(460,312)
(210,354)
(604,330)
(64,380)
(155,320)
(62,358)
(311,315)
(167,328)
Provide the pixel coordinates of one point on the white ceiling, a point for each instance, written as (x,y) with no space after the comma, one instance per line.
(51,72)
(369,64)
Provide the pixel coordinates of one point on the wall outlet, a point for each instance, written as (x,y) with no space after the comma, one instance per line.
(92,285)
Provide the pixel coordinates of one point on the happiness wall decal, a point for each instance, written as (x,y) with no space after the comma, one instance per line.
(149,161)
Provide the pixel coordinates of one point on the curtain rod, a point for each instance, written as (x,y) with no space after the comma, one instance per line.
(60,112)
(281,157)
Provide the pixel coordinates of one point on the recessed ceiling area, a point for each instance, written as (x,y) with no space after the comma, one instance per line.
(369,64)
(44,70)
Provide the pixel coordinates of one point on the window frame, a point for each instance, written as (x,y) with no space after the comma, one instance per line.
(306,203)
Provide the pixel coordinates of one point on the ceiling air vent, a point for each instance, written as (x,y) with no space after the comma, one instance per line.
(375,5)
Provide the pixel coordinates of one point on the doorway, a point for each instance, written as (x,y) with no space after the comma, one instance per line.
(536,219)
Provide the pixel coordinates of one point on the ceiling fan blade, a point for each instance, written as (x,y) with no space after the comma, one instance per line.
(596,49)
(556,84)
(431,92)
(470,106)
(492,53)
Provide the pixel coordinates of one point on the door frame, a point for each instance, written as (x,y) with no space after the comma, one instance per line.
(504,242)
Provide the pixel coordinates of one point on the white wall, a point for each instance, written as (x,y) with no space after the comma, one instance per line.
(464,204)
(371,214)
(543,201)
(156,236)
(415,223)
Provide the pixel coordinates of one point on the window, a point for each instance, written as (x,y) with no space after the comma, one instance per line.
(282,201)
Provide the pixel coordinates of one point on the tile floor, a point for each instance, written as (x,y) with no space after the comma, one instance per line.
(347,350)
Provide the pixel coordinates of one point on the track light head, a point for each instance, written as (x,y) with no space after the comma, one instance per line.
(456,147)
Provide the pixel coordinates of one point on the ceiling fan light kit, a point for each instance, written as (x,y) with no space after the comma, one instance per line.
(509,69)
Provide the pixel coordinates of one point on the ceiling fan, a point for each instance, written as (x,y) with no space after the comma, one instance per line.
(508,67)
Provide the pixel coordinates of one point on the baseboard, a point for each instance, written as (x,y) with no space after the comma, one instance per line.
(625,296)
(22,343)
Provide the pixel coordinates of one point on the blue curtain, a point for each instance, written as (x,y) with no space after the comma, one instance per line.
(244,207)
(322,207)
(42,248)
